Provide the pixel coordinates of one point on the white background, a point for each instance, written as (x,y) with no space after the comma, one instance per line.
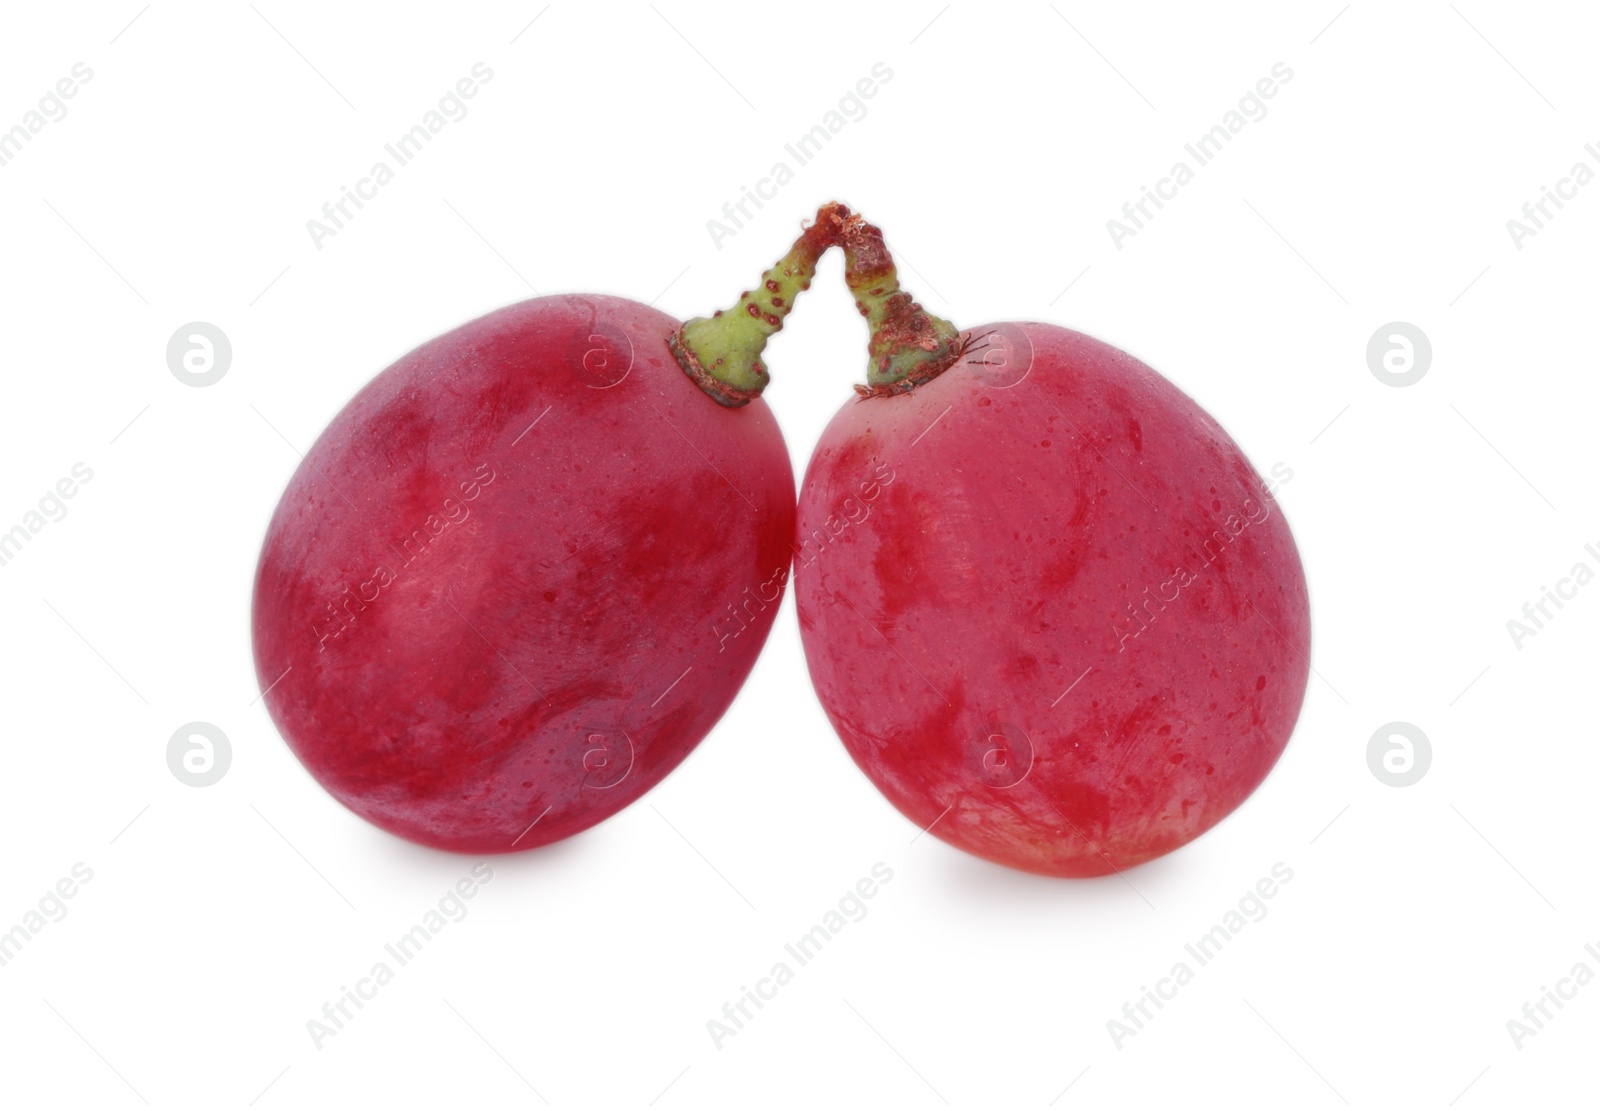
(1377,189)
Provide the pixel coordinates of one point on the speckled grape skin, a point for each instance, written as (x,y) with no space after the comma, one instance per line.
(550,646)
(945,611)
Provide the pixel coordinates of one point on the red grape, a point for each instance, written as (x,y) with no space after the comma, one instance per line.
(1051,609)
(527,568)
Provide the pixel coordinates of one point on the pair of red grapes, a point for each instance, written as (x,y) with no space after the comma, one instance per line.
(1046,601)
